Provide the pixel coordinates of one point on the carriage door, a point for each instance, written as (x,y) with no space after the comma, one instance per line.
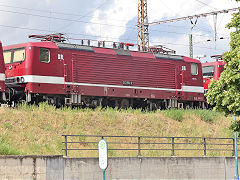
(66,73)
(61,59)
(183,71)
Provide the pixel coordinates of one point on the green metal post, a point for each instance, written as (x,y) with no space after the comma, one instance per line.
(104,176)
(236,156)
(190,46)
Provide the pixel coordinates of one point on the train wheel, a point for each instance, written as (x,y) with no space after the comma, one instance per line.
(124,104)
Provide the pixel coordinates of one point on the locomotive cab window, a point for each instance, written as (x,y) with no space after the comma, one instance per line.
(19,55)
(194,69)
(208,71)
(7,55)
(44,55)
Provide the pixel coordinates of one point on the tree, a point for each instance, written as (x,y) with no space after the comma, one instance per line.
(224,94)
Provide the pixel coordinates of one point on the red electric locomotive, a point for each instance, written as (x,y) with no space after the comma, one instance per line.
(212,70)
(84,75)
(2,76)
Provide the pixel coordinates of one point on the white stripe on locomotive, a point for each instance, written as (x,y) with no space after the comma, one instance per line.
(2,77)
(60,80)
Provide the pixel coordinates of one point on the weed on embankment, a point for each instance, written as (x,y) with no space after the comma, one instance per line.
(37,130)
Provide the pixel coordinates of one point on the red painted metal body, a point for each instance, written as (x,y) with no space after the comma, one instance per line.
(2,70)
(211,70)
(104,72)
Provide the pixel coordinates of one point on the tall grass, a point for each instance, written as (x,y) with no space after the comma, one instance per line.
(32,129)
(205,115)
(6,148)
(175,114)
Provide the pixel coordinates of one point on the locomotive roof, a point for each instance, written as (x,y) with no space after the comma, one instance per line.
(49,44)
(27,44)
(213,63)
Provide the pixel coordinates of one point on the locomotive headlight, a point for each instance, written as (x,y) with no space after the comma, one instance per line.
(22,80)
(18,80)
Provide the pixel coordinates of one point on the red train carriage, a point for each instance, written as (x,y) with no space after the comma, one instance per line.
(62,73)
(2,76)
(212,70)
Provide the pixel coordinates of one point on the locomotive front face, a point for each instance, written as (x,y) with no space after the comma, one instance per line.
(32,68)
(14,60)
(211,70)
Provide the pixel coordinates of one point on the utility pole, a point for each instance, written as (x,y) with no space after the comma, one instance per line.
(143,35)
(190,46)
(190,38)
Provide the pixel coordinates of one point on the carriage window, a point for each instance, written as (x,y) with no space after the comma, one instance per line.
(18,55)
(44,55)
(194,69)
(7,55)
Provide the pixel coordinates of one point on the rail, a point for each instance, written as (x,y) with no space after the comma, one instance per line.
(175,146)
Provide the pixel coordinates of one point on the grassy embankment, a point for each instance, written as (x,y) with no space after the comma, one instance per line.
(32,130)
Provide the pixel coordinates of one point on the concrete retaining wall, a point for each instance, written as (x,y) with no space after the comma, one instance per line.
(59,168)
(31,167)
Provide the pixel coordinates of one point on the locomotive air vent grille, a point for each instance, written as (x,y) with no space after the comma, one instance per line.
(74,47)
(168,57)
(98,69)
(122,52)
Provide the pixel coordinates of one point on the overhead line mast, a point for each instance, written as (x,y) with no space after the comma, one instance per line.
(143,35)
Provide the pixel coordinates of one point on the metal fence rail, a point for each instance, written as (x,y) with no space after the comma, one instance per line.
(140,144)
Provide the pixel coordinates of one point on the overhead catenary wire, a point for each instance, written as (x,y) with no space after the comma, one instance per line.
(116,38)
(134,41)
(106,25)
(52,12)
(193,16)
(206,4)
(66,19)
(62,13)
(86,14)
(81,21)
(87,22)
(59,18)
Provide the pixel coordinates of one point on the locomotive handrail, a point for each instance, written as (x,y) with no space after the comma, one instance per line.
(146,143)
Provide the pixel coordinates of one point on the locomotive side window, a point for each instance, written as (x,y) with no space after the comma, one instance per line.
(18,55)
(7,55)
(44,55)
(194,69)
